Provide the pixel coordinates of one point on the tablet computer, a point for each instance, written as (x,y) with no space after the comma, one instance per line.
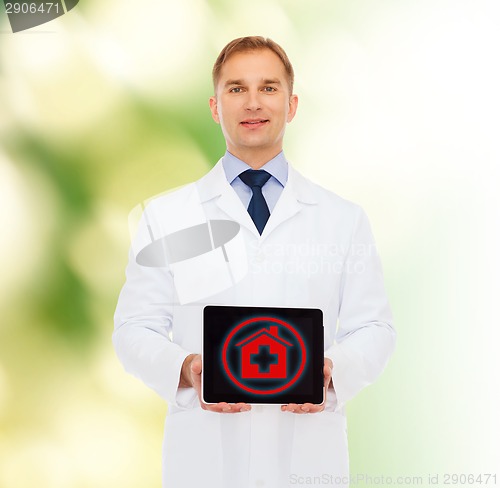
(262,355)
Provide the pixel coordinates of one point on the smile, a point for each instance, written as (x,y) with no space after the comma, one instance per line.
(254,124)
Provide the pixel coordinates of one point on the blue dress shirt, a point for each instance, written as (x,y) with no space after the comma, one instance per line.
(277,168)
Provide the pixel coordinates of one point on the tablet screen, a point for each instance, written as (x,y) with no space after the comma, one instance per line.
(262,355)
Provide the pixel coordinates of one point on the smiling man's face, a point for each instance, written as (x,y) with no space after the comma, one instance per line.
(252,104)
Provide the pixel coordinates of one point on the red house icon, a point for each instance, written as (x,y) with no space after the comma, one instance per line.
(264,354)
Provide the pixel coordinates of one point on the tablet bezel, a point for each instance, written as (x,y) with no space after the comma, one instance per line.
(316,353)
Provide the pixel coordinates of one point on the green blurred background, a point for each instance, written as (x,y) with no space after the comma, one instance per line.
(107,106)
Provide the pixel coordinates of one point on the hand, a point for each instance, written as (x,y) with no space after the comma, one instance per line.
(191,376)
(311,407)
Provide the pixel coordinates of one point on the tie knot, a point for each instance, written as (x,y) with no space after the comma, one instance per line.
(255,177)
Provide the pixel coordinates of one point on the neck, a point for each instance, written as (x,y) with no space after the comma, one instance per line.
(256,159)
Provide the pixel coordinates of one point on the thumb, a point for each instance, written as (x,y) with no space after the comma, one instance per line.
(327,370)
(196,365)
(327,374)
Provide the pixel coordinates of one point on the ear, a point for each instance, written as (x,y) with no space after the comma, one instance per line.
(213,108)
(292,107)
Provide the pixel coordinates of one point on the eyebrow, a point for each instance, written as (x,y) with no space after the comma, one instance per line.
(233,82)
(273,81)
(270,81)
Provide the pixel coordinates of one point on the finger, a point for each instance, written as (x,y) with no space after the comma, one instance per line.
(299,409)
(217,408)
(214,408)
(223,407)
(233,409)
(317,408)
(242,407)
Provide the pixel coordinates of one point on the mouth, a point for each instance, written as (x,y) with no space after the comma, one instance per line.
(254,123)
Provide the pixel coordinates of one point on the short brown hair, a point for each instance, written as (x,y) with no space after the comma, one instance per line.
(252,43)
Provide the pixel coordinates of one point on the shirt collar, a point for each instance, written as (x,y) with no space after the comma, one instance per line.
(276,167)
(215,184)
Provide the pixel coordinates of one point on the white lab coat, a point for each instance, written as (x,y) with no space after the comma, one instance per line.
(317,251)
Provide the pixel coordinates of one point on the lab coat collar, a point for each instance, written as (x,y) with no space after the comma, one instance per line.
(297,192)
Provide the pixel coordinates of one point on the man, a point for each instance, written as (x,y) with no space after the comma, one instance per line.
(306,247)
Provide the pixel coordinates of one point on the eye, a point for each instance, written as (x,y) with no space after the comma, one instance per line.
(236,89)
(269,89)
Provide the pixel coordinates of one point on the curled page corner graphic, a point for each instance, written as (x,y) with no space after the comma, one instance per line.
(26,14)
(205,259)
(205,256)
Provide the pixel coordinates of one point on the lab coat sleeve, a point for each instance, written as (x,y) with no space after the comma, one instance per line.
(365,337)
(143,323)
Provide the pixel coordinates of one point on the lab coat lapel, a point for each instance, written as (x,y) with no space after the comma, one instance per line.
(297,193)
(286,207)
(214,185)
(230,203)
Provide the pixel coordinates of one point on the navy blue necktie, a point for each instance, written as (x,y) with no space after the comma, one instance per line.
(258,209)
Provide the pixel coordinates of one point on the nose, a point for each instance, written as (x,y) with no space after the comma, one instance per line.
(252,101)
